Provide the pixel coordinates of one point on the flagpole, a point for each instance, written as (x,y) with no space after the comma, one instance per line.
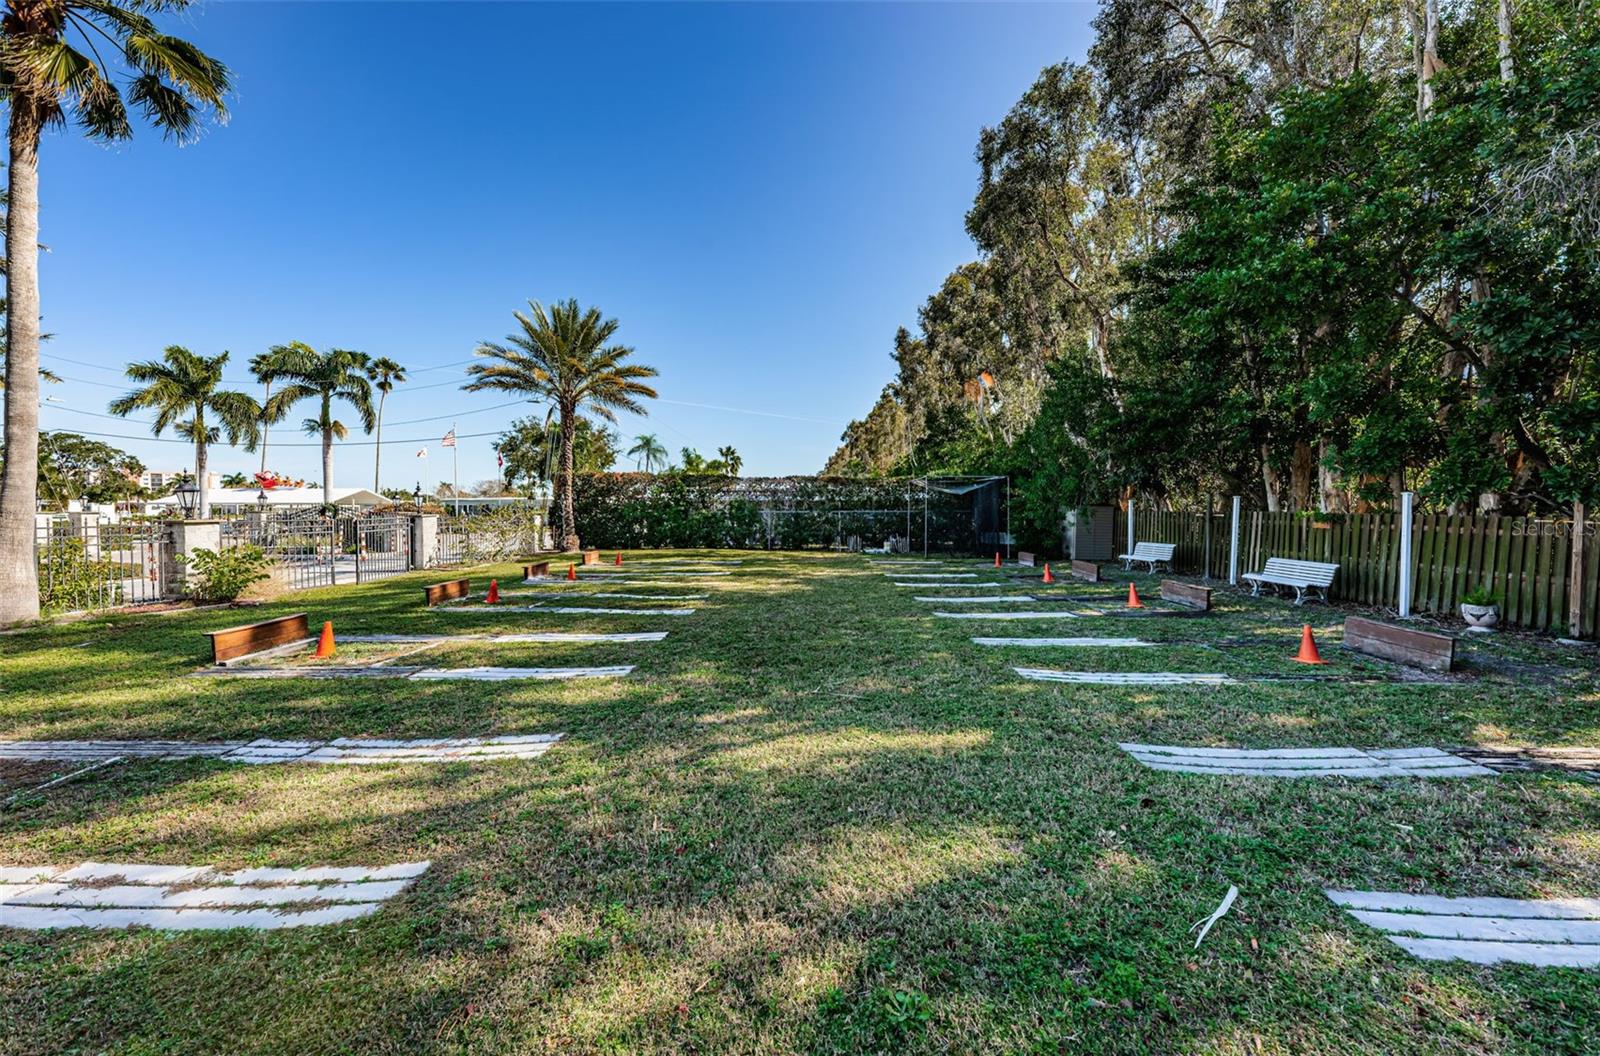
(455,467)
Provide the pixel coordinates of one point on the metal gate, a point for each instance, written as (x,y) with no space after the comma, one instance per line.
(311,548)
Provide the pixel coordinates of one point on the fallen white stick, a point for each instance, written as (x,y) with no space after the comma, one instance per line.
(63,779)
(1221,911)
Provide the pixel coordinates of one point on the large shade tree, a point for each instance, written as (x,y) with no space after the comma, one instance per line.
(58,61)
(185,392)
(337,374)
(565,356)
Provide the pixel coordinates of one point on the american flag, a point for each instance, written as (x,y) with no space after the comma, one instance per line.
(449,439)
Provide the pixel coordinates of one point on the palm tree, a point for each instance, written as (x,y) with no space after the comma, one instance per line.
(236,480)
(731,462)
(182,383)
(648,452)
(50,69)
(562,356)
(264,365)
(337,374)
(385,374)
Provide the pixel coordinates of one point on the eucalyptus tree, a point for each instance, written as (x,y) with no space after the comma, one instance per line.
(385,374)
(185,392)
(53,56)
(337,374)
(565,356)
(648,453)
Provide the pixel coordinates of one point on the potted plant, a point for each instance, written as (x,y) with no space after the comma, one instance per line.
(1478,608)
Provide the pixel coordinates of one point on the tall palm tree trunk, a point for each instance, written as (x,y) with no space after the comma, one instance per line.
(266,397)
(19,573)
(327,465)
(569,520)
(377,446)
(201,463)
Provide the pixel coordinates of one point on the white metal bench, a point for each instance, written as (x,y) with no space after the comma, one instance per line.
(1308,578)
(1151,554)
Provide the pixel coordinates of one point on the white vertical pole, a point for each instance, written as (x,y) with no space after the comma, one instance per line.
(1130,524)
(1407,500)
(1233,546)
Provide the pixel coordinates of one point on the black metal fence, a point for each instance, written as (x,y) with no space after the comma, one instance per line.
(85,565)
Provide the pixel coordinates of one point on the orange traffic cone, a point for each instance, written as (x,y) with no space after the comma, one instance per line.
(1308,649)
(494,592)
(997,559)
(1133,598)
(325,643)
(572,571)
(619,558)
(1048,578)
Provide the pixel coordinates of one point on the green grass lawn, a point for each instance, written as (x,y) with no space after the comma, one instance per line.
(815,819)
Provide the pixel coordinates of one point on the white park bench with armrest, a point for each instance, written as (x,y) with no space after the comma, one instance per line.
(1151,554)
(1305,577)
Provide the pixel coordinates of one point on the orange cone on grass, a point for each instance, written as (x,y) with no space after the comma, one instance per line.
(997,559)
(619,558)
(1308,649)
(1133,597)
(325,642)
(494,592)
(1048,578)
(572,571)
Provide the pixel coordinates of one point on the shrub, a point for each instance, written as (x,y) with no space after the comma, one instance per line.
(226,575)
(70,579)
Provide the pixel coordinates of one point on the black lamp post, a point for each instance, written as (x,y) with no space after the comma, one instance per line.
(261,502)
(416,496)
(188,495)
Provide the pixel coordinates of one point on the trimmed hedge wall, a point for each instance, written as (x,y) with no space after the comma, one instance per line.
(641,511)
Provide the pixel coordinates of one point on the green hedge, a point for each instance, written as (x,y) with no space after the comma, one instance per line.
(641,511)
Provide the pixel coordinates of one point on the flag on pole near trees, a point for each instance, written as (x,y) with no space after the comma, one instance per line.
(423,453)
(449,439)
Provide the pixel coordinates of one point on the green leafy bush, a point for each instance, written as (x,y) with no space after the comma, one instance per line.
(226,575)
(70,579)
(1479,595)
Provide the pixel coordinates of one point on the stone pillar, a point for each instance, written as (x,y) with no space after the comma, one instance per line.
(184,538)
(424,537)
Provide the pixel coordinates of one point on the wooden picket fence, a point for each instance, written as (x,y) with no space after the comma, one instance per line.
(1526,562)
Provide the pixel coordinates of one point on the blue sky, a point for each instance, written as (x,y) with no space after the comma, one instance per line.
(759,193)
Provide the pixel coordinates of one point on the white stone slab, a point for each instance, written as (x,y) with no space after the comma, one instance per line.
(1563,932)
(1007,615)
(580,610)
(600,576)
(1304,762)
(27,874)
(42,918)
(1066,643)
(579,594)
(983,599)
(986,585)
(187,898)
(934,575)
(507,674)
(1126,678)
(343,750)
(578,636)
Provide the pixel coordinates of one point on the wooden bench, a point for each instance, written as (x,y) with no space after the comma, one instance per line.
(253,637)
(591,557)
(1191,594)
(1151,554)
(1024,558)
(1407,645)
(1308,578)
(536,570)
(1088,571)
(447,591)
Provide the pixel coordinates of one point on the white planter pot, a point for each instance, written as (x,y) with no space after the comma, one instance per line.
(1480,617)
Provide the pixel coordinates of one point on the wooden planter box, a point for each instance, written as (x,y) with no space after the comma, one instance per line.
(250,638)
(591,557)
(1190,594)
(535,570)
(1088,571)
(1024,558)
(446,591)
(1407,645)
